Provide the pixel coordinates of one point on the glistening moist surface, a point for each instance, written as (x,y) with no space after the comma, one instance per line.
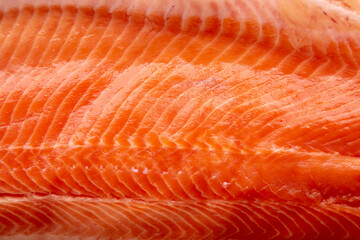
(232,119)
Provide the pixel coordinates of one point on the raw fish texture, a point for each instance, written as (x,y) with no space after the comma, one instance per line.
(179,119)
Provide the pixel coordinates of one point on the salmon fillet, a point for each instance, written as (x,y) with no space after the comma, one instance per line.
(170,119)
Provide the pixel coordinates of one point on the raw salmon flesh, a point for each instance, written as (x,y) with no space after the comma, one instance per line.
(180,119)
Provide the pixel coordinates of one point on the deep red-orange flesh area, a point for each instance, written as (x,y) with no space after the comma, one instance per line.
(122,124)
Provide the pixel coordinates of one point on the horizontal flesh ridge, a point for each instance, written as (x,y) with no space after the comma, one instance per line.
(216,219)
(166,119)
(179,174)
